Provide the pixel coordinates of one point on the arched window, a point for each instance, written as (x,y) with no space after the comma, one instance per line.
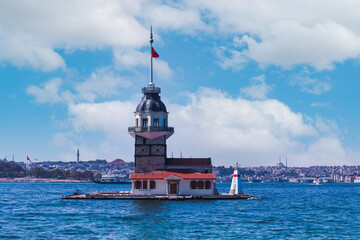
(200,184)
(156,122)
(193,185)
(145,184)
(145,122)
(207,184)
(152,184)
(137,184)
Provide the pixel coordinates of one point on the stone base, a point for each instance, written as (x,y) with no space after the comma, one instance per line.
(128,196)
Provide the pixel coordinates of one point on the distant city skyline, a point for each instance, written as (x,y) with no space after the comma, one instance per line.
(243,81)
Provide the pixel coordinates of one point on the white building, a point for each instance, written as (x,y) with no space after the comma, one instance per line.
(173,183)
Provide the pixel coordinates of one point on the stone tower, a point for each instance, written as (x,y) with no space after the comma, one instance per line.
(150,128)
(150,131)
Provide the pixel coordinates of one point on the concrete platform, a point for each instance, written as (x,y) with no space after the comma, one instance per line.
(123,195)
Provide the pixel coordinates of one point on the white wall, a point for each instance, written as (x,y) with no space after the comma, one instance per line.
(162,188)
(186,190)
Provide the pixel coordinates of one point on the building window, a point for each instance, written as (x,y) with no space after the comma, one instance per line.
(200,184)
(137,122)
(145,122)
(145,184)
(207,184)
(164,122)
(137,184)
(152,184)
(193,184)
(144,141)
(156,122)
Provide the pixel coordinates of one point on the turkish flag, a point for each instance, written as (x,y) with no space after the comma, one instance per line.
(28,159)
(154,53)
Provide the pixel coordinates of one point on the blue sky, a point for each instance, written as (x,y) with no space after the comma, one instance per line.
(243,81)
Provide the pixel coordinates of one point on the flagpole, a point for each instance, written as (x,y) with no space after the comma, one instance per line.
(151,66)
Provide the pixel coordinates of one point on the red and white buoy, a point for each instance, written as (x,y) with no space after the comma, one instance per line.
(236,188)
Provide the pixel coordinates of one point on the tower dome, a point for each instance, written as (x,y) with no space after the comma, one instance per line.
(151,102)
(151,117)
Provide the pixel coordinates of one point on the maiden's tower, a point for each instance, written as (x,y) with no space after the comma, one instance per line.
(155,173)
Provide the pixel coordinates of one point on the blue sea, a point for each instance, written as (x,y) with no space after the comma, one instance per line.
(286,211)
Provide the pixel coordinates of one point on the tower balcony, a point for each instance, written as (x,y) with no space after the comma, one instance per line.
(151,132)
(151,89)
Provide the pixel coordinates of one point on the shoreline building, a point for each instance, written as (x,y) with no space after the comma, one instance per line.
(155,173)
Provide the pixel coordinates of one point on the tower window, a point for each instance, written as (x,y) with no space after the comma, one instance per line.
(164,122)
(152,184)
(137,122)
(145,122)
(145,184)
(137,184)
(200,184)
(156,122)
(193,184)
(207,184)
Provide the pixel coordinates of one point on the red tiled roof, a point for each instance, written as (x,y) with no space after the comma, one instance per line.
(165,174)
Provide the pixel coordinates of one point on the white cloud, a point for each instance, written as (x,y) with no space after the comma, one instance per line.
(22,51)
(229,129)
(230,58)
(253,132)
(129,58)
(289,43)
(112,117)
(310,85)
(49,92)
(125,59)
(175,16)
(281,35)
(258,88)
(326,151)
(320,104)
(33,29)
(162,70)
(326,126)
(101,83)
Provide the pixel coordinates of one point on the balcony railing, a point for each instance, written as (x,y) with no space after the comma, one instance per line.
(150,129)
(151,90)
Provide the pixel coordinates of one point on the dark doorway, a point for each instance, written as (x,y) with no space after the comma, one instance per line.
(173,188)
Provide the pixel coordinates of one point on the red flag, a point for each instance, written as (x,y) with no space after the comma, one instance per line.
(154,53)
(28,158)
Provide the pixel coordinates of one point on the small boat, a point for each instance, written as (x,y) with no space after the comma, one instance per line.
(317,181)
(112,179)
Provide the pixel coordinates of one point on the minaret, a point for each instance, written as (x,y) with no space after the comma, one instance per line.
(236,188)
(77,157)
(150,126)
